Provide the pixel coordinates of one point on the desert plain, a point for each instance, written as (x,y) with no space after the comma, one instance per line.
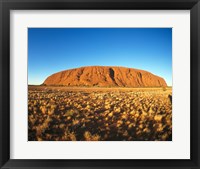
(57,113)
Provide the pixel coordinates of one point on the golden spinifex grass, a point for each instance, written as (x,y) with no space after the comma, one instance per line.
(99,114)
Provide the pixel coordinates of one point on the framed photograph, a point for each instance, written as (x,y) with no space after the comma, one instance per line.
(99,84)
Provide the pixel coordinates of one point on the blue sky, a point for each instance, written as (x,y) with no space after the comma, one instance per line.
(51,50)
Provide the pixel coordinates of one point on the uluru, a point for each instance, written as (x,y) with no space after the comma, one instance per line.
(105,76)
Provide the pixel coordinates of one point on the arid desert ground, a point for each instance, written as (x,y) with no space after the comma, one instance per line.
(99,114)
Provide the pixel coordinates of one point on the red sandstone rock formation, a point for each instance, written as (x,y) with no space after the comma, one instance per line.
(105,76)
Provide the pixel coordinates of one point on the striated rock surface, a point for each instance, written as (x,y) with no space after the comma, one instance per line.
(105,76)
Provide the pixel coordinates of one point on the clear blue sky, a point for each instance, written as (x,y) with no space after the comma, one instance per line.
(51,50)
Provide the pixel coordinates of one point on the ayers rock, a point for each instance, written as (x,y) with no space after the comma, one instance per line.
(105,76)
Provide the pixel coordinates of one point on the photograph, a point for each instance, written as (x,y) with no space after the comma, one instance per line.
(99,84)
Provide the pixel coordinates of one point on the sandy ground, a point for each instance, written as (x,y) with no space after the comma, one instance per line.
(99,114)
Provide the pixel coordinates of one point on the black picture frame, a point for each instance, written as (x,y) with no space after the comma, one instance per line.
(7,5)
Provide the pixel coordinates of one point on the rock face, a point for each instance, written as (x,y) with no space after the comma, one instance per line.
(105,76)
